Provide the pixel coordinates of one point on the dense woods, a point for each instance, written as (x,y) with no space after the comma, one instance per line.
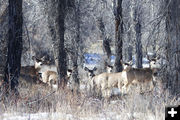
(79,36)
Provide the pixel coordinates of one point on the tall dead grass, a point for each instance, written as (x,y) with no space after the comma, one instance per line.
(39,99)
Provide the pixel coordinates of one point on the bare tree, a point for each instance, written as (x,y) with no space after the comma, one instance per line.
(106,42)
(56,17)
(137,22)
(129,49)
(13,64)
(118,34)
(3,41)
(76,43)
(173,44)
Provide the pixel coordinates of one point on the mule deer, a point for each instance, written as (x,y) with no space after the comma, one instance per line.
(109,68)
(30,74)
(104,82)
(91,74)
(31,70)
(48,72)
(51,78)
(138,76)
(43,65)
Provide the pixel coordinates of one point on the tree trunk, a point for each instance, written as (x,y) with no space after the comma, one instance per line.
(106,44)
(3,43)
(107,51)
(76,43)
(129,49)
(138,43)
(13,64)
(56,16)
(173,45)
(118,36)
(59,47)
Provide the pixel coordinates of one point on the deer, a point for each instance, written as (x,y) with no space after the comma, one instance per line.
(49,73)
(91,74)
(104,81)
(30,74)
(43,65)
(31,70)
(139,76)
(51,78)
(109,68)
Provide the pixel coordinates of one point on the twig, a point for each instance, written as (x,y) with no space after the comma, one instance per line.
(29,103)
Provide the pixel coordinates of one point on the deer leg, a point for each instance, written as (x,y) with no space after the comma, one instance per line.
(125,88)
(151,86)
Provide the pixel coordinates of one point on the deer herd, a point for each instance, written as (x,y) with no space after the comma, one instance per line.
(102,83)
(43,72)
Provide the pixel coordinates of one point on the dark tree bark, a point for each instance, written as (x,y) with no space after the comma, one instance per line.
(129,49)
(59,47)
(173,45)
(107,50)
(106,44)
(76,43)
(138,40)
(56,17)
(13,64)
(118,36)
(3,43)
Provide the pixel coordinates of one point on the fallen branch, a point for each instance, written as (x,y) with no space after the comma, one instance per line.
(29,103)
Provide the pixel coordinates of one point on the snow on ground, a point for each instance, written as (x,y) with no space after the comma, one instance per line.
(36,116)
(63,116)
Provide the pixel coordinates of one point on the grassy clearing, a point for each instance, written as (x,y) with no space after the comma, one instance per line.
(38,102)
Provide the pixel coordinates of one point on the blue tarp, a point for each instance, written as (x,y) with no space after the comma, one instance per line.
(93,58)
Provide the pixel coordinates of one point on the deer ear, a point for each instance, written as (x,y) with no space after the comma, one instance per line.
(46,62)
(33,57)
(122,62)
(94,69)
(158,57)
(69,70)
(153,59)
(109,66)
(130,62)
(43,58)
(86,69)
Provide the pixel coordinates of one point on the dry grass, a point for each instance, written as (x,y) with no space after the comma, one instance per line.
(64,104)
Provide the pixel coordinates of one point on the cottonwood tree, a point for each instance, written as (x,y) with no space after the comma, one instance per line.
(13,63)
(75,41)
(3,38)
(56,23)
(173,44)
(137,21)
(118,34)
(106,42)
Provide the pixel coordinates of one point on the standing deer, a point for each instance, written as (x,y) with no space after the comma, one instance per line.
(49,73)
(102,81)
(109,68)
(30,74)
(51,78)
(106,81)
(139,76)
